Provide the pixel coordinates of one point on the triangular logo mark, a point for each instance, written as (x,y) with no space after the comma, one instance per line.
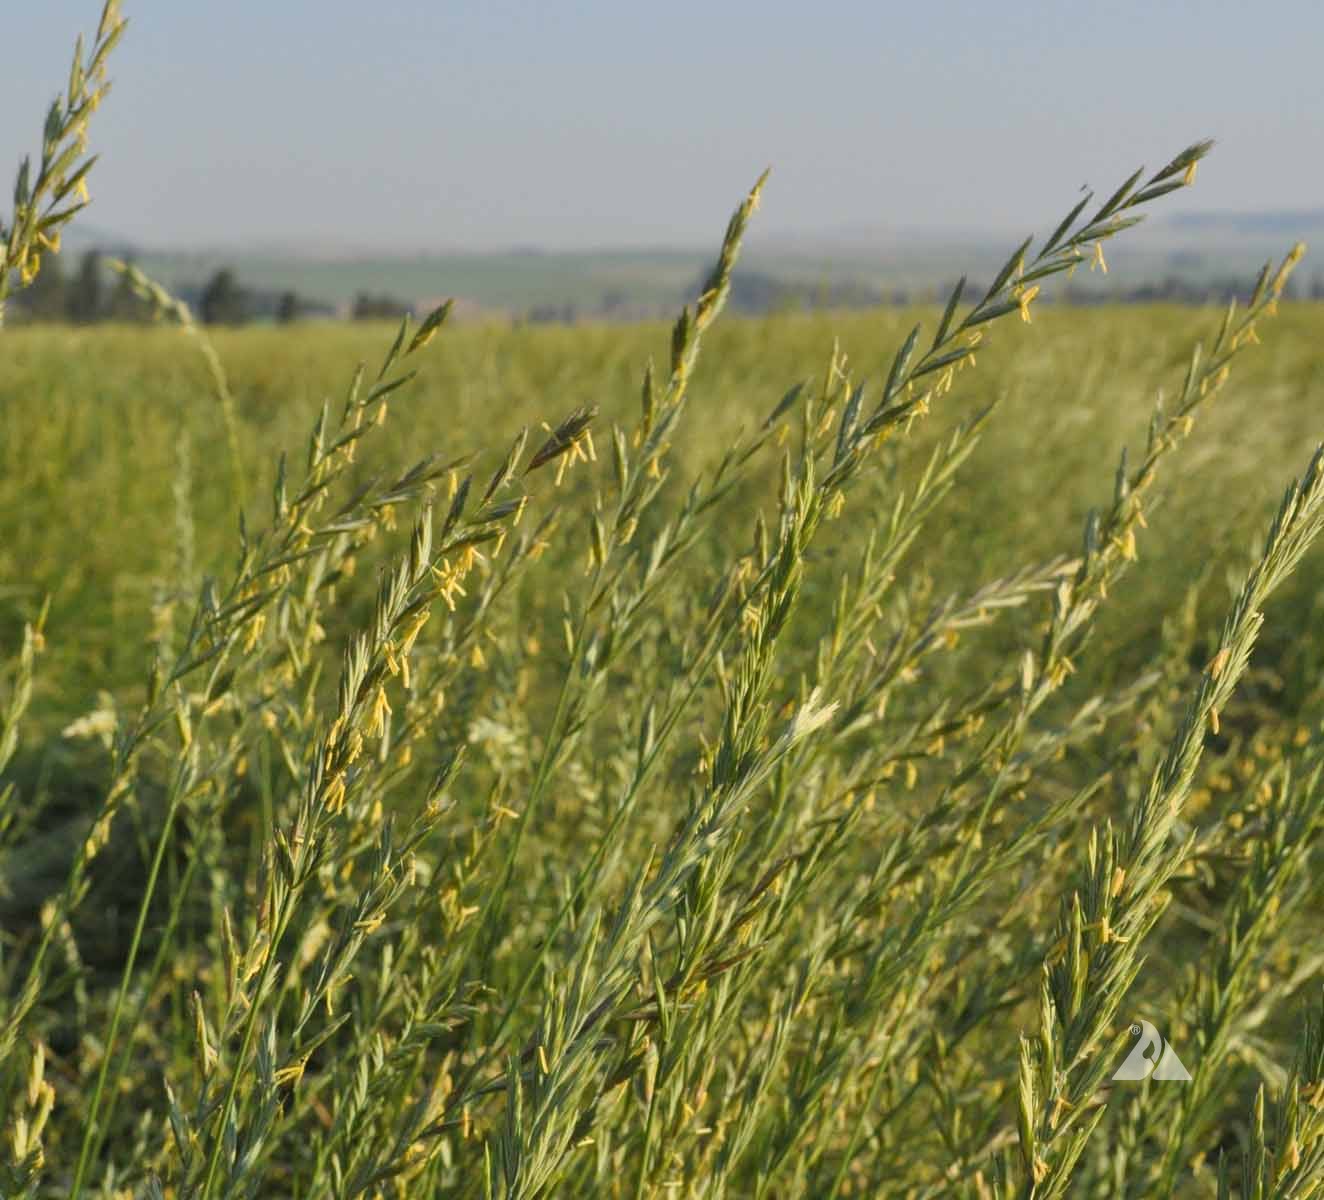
(1151,1055)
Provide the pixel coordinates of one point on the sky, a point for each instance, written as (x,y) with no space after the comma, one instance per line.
(484,124)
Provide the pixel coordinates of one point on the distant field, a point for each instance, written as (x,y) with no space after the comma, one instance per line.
(513,282)
(90,423)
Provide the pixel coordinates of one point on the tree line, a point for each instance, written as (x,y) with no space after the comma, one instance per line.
(91,294)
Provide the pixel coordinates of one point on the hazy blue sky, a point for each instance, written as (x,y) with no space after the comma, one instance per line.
(609,122)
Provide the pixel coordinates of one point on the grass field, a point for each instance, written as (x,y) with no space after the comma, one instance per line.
(119,478)
(792,758)
(93,422)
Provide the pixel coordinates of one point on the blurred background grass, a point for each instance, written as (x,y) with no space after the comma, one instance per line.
(91,421)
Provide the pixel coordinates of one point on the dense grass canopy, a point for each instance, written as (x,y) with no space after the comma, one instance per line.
(764,758)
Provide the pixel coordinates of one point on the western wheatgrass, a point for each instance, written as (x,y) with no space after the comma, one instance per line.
(46,203)
(688,789)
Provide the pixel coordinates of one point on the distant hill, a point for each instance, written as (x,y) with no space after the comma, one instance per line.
(1175,255)
(1285,223)
(622,284)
